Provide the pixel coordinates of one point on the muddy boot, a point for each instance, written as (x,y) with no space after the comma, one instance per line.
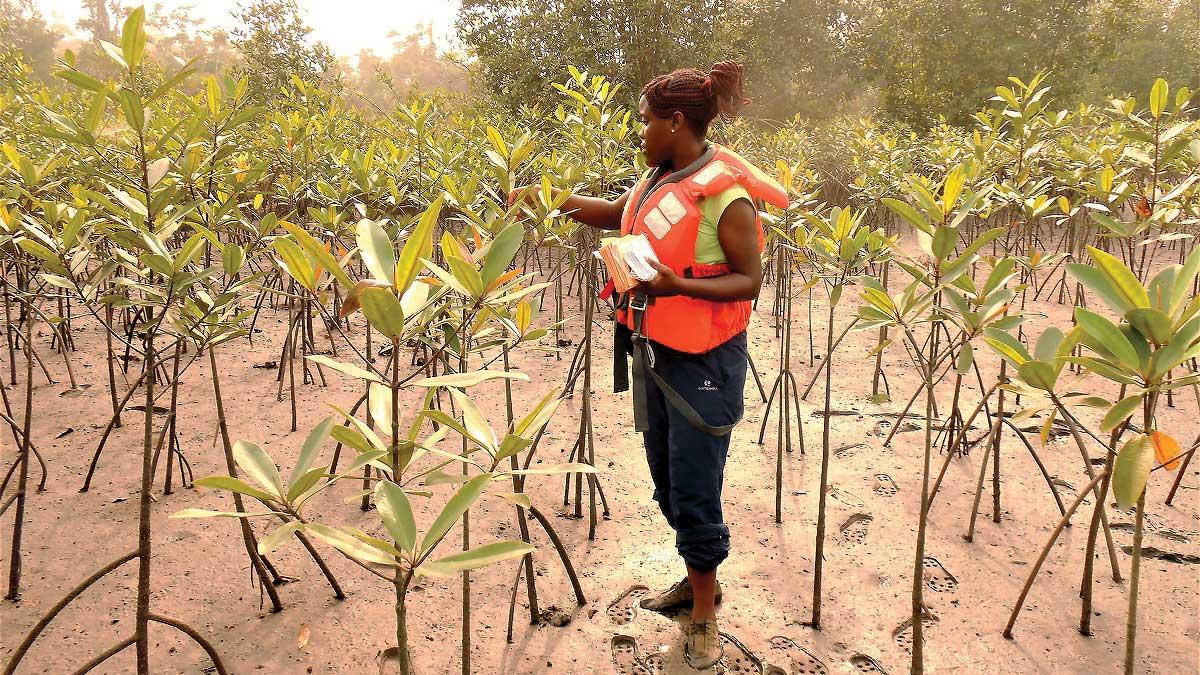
(703,648)
(678,596)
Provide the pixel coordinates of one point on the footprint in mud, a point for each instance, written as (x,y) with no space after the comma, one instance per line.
(903,634)
(845,497)
(737,660)
(625,657)
(798,660)
(854,530)
(884,485)
(937,577)
(865,664)
(623,610)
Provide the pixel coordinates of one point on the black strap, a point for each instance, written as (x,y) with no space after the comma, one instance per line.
(643,362)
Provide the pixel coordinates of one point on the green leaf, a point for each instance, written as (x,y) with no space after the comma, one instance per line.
(133,37)
(475,558)
(81,80)
(319,253)
(278,537)
(908,213)
(311,448)
(205,513)
(230,484)
(467,275)
(131,106)
(1047,345)
(1095,281)
(966,357)
(1158,98)
(1038,374)
(350,545)
(1131,470)
(295,263)
(396,513)
(258,465)
(344,368)
(419,245)
(1120,412)
(1122,279)
(382,309)
(1154,325)
(455,507)
(1107,334)
(475,422)
(555,469)
(501,252)
(1009,347)
(376,249)
(306,482)
(469,379)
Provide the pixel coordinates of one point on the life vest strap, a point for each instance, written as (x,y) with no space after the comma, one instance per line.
(633,341)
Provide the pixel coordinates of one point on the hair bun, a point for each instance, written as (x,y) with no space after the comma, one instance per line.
(725,83)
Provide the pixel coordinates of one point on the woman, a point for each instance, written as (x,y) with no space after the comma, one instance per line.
(686,328)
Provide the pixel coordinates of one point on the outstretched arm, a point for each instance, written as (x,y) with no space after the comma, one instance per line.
(738,233)
(592,211)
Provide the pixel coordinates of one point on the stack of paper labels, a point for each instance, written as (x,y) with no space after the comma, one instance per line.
(628,260)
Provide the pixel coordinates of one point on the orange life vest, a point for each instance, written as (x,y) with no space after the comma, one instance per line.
(669,216)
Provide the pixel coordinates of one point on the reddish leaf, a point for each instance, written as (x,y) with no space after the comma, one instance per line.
(1166,450)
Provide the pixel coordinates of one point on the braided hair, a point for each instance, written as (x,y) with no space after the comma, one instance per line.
(699,97)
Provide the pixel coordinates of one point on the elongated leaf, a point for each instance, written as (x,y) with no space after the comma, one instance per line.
(306,482)
(396,513)
(1132,469)
(231,484)
(475,558)
(379,402)
(469,379)
(501,252)
(1153,324)
(555,469)
(278,537)
(455,507)
(1120,412)
(376,249)
(345,368)
(382,309)
(258,465)
(1038,374)
(318,252)
(418,246)
(311,448)
(1158,98)
(1107,334)
(205,513)
(349,544)
(295,263)
(1123,280)
(475,421)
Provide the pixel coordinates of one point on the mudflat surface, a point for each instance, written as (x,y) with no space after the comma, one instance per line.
(201,575)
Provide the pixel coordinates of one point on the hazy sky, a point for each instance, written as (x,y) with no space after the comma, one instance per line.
(347,26)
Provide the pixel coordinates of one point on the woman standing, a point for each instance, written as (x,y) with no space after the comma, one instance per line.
(686,329)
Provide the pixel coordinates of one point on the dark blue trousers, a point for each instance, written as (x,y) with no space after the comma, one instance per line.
(687,464)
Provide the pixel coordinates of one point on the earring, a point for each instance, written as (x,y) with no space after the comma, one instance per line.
(674,130)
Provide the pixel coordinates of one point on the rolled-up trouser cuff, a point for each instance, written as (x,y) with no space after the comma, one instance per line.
(703,547)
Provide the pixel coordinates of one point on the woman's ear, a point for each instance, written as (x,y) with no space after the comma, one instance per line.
(677,121)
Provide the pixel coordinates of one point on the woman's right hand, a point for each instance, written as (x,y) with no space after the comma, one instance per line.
(526,194)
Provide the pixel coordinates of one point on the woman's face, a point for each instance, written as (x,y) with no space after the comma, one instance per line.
(657,139)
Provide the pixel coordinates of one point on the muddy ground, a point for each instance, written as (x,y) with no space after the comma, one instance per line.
(200,573)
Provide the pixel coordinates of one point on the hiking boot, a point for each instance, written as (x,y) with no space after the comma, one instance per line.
(678,596)
(703,648)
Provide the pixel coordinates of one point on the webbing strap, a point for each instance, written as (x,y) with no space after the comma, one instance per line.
(643,363)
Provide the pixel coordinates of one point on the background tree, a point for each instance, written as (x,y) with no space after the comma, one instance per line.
(274,44)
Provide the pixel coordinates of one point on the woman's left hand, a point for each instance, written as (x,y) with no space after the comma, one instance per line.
(666,283)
